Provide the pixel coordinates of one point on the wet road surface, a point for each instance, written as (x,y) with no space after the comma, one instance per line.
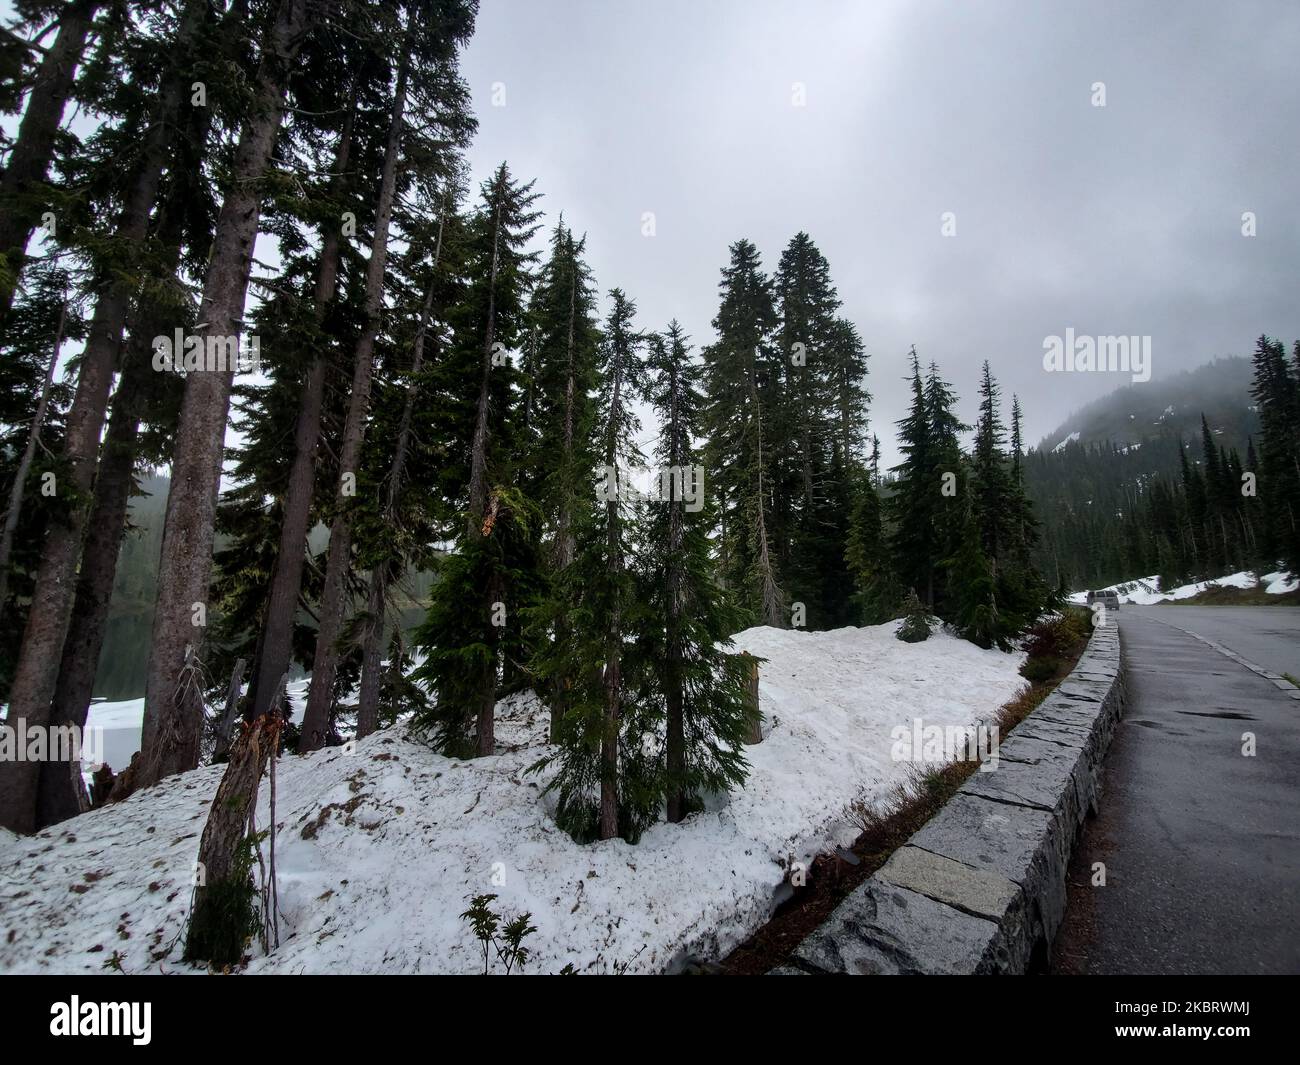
(1200,843)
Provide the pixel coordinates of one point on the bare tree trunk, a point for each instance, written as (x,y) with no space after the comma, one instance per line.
(29,161)
(751,693)
(60,793)
(286,579)
(223,900)
(772,597)
(325,662)
(47,621)
(487,705)
(15,508)
(372,647)
(613,691)
(565,546)
(368,699)
(172,723)
(226,727)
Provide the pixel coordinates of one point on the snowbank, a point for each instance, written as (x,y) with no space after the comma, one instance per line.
(1146,590)
(377,850)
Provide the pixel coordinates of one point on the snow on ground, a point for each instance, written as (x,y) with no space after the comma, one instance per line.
(1146,590)
(1279,583)
(1068,440)
(378,850)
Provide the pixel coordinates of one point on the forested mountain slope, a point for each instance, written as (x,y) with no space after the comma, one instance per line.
(1167,407)
(1089,478)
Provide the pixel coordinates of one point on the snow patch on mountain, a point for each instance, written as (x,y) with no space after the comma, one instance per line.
(1146,590)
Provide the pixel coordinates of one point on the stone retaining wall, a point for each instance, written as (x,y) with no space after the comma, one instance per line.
(981,888)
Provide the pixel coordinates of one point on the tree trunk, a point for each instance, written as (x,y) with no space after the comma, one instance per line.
(221,919)
(226,727)
(564,539)
(372,648)
(15,508)
(770,591)
(29,161)
(675,728)
(339,560)
(756,731)
(173,723)
(613,694)
(614,643)
(286,578)
(487,704)
(60,793)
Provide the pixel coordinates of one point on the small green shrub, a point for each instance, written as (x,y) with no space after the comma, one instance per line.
(1037,670)
(917,624)
(226,913)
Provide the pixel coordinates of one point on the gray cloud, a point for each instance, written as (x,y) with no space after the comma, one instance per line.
(1123,219)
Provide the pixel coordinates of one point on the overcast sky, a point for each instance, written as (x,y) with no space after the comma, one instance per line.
(1122,219)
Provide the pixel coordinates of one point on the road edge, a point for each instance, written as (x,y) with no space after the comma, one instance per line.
(981,887)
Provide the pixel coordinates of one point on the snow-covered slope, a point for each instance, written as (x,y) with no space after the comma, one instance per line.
(378,850)
(1146,590)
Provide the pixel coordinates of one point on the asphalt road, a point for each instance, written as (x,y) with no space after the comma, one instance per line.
(1201,844)
(1269,636)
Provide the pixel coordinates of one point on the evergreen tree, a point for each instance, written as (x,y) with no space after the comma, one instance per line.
(876,592)
(992,506)
(607,778)
(1024,526)
(401,512)
(913,505)
(947,481)
(559,433)
(1275,390)
(974,608)
(742,374)
(816,424)
(494,569)
(707,712)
